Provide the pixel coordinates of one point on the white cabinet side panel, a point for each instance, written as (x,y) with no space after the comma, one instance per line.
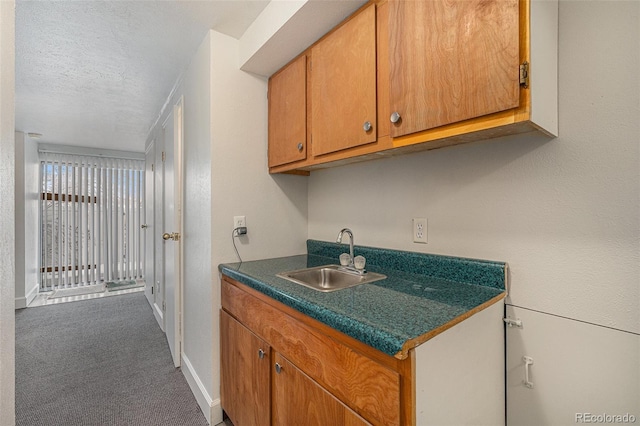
(544,65)
(460,373)
(578,369)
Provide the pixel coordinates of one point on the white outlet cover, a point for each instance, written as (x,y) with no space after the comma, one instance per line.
(420,230)
(239,221)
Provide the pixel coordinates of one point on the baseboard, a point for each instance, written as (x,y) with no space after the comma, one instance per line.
(23,302)
(31,294)
(210,408)
(157,313)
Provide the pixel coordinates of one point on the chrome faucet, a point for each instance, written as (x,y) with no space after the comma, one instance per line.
(339,240)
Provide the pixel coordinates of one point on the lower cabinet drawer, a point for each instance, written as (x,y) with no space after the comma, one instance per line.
(367,387)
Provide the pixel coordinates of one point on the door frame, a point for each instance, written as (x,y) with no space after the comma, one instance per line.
(158,217)
(178,179)
(159,297)
(177,226)
(149,224)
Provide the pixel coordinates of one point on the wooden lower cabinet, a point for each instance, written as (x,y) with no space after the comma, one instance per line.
(245,374)
(298,400)
(257,382)
(309,374)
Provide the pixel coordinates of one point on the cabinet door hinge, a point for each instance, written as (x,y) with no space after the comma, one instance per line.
(164,156)
(152,168)
(164,306)
(513,322)
(524,74)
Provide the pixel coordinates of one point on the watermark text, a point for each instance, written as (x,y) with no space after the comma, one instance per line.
(605,418)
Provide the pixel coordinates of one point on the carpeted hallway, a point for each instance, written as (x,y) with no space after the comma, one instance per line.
(98,362)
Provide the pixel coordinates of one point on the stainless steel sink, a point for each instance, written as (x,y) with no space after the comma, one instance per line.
(329,277)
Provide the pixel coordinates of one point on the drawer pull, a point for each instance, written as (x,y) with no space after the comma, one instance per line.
(527,362)
(278,368)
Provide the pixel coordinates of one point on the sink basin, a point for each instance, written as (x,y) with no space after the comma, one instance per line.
(329,277)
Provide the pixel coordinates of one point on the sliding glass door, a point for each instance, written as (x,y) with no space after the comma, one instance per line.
(91,212)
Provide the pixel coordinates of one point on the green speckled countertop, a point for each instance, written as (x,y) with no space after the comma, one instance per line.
(422,295)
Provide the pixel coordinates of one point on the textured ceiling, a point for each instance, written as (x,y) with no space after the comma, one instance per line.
(96,73)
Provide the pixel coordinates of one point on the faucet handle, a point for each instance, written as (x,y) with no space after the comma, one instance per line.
(345,259)
(359,262)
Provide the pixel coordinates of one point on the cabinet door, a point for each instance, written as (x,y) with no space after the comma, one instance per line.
(288,114)
(298,400)
(571,382)
(343,86)
(451,61)
(245,362)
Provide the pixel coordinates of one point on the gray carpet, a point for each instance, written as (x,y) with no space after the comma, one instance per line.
(98,362)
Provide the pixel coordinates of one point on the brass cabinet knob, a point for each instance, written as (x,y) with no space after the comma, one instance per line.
(171,236)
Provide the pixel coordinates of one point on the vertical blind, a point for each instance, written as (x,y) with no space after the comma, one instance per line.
(91,211)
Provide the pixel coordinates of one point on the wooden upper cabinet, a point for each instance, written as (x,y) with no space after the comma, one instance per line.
(288,114)
(451,61)
(343,86)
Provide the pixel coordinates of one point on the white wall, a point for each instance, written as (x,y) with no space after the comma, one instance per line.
(563,213)
(7,214)
(19,165)
(27,166)
(197,225)
(226,174)
(275,206)
(193,86)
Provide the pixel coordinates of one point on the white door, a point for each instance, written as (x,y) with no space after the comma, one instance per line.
(172,229)
(148,226)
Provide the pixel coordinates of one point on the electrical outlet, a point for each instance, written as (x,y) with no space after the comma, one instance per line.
(420,230)
(239,222)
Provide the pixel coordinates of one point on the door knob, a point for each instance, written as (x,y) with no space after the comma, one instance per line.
(145,226)
(171,236)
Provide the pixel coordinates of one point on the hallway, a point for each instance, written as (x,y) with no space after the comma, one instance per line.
(98,362)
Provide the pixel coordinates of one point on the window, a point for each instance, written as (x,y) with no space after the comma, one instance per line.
(91,211)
